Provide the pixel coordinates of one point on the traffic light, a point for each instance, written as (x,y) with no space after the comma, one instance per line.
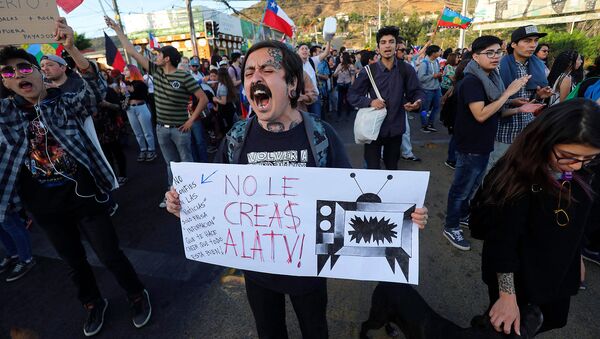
(216,29)
(209,28)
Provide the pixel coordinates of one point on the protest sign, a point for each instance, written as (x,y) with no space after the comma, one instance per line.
(339,223)
(27,21)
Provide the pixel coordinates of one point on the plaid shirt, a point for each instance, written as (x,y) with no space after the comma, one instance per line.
(509,127)
(64,115)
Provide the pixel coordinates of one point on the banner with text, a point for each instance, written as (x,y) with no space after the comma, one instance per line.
(27,22)
(337,223)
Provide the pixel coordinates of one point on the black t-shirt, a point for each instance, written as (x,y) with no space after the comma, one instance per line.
(140,90)
(289,148)
(470,135)
(49,177)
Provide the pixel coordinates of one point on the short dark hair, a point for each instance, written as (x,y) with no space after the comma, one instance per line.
(387,30)
(12,52)
(300,44)
(291,62)
(365,56)
(235,56)
(540,45)
(432,49)
(172,53)
(484,42)
(314,48)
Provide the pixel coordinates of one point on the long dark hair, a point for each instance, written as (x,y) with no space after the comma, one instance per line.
(564,62)
(224,79)
(526,162)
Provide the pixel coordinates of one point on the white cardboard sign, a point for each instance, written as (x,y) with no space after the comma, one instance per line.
(336,223)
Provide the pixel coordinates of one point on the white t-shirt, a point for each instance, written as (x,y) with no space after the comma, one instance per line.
(197,76)
(312,74)
(149,82)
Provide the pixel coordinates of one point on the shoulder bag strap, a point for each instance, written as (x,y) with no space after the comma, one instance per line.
(368,70)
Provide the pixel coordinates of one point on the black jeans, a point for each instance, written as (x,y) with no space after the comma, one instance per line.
(115,156)
(91,220)
(391,152)
(268,308)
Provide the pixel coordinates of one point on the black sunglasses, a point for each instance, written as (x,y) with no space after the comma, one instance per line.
(9,72)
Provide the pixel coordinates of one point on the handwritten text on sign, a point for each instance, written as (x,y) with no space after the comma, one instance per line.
(27,21)
(302,221)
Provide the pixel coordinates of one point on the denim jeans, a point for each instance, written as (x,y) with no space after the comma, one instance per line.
(199,152)
(175,145)
(333,100)
(468,175)
(15,237)
(451,150)
(140,120)
(431,105)
(315,108)
(87,218)
(499,149)
(406,143)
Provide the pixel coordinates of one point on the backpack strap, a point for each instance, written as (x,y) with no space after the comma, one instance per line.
(317,137)
(235,139)
(312,63)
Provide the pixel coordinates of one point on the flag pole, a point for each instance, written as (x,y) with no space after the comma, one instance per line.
(260,27)
(437,21)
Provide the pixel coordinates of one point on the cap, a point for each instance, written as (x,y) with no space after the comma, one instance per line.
(223,63)
(525,32)
(55,58)
(194,62)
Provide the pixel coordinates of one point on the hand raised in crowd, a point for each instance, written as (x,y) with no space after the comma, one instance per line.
(544,92)
(505,315)
(516,85)
(378,104)
(63,33)
(112,24)
(412,106)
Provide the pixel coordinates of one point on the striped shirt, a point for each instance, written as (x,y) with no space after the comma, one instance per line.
(509,127)
(171,95)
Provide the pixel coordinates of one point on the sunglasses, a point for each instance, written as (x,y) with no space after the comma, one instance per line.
(9,72)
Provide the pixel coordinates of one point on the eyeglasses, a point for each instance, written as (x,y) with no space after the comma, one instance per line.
(490,54)
(9,72)
(571,161)
(561,215)
(544,50)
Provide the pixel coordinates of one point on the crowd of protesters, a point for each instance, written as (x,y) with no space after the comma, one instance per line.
(524,129)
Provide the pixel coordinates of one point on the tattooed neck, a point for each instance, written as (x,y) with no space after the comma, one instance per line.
(277,127)
(506,283)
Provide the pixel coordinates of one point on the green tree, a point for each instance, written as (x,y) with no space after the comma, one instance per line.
(81,42)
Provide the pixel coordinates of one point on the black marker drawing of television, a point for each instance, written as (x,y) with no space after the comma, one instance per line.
(366,227)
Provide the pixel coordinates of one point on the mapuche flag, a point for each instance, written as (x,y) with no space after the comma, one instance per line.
(452,19)
(113,56)
(276,18)
(68,5)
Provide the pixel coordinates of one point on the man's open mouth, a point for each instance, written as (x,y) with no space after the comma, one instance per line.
(25,85)
(260,94)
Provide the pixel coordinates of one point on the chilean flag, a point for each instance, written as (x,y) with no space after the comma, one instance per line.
(68,5)
(152,41)
(276,18)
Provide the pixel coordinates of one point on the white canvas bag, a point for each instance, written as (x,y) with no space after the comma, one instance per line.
(368,120)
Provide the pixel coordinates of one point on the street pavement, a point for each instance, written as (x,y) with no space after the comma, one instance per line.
(196,300)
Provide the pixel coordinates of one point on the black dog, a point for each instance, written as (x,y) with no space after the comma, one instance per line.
(402,305)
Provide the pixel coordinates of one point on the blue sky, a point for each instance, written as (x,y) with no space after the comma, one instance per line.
(88,17)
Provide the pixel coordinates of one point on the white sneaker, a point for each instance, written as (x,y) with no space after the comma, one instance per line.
(163,203)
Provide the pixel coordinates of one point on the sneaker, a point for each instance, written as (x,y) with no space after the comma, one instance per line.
(425,130)
(163,203)
(450,164)
(591,256)
(412,158)
(456,238)
(141,310)
(20,269)
(430,128)
(582,286)
(113,209)
(8,263)
(122,181)
(150,156)
(464,222)
(95,319)
(391,331)
(141,157)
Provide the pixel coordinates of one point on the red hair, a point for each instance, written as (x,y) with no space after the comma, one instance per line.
(134,73)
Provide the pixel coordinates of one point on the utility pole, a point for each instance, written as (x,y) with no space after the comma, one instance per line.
(387,14)
(188,5)
(379,15)
(118,17)
(461,39)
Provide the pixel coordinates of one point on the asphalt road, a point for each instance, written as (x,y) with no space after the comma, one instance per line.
(195,300)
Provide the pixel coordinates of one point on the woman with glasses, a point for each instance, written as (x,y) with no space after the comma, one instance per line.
(538,202)
(542,52)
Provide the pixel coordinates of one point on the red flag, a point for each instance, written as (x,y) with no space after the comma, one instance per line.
(68,5)
(113,56)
